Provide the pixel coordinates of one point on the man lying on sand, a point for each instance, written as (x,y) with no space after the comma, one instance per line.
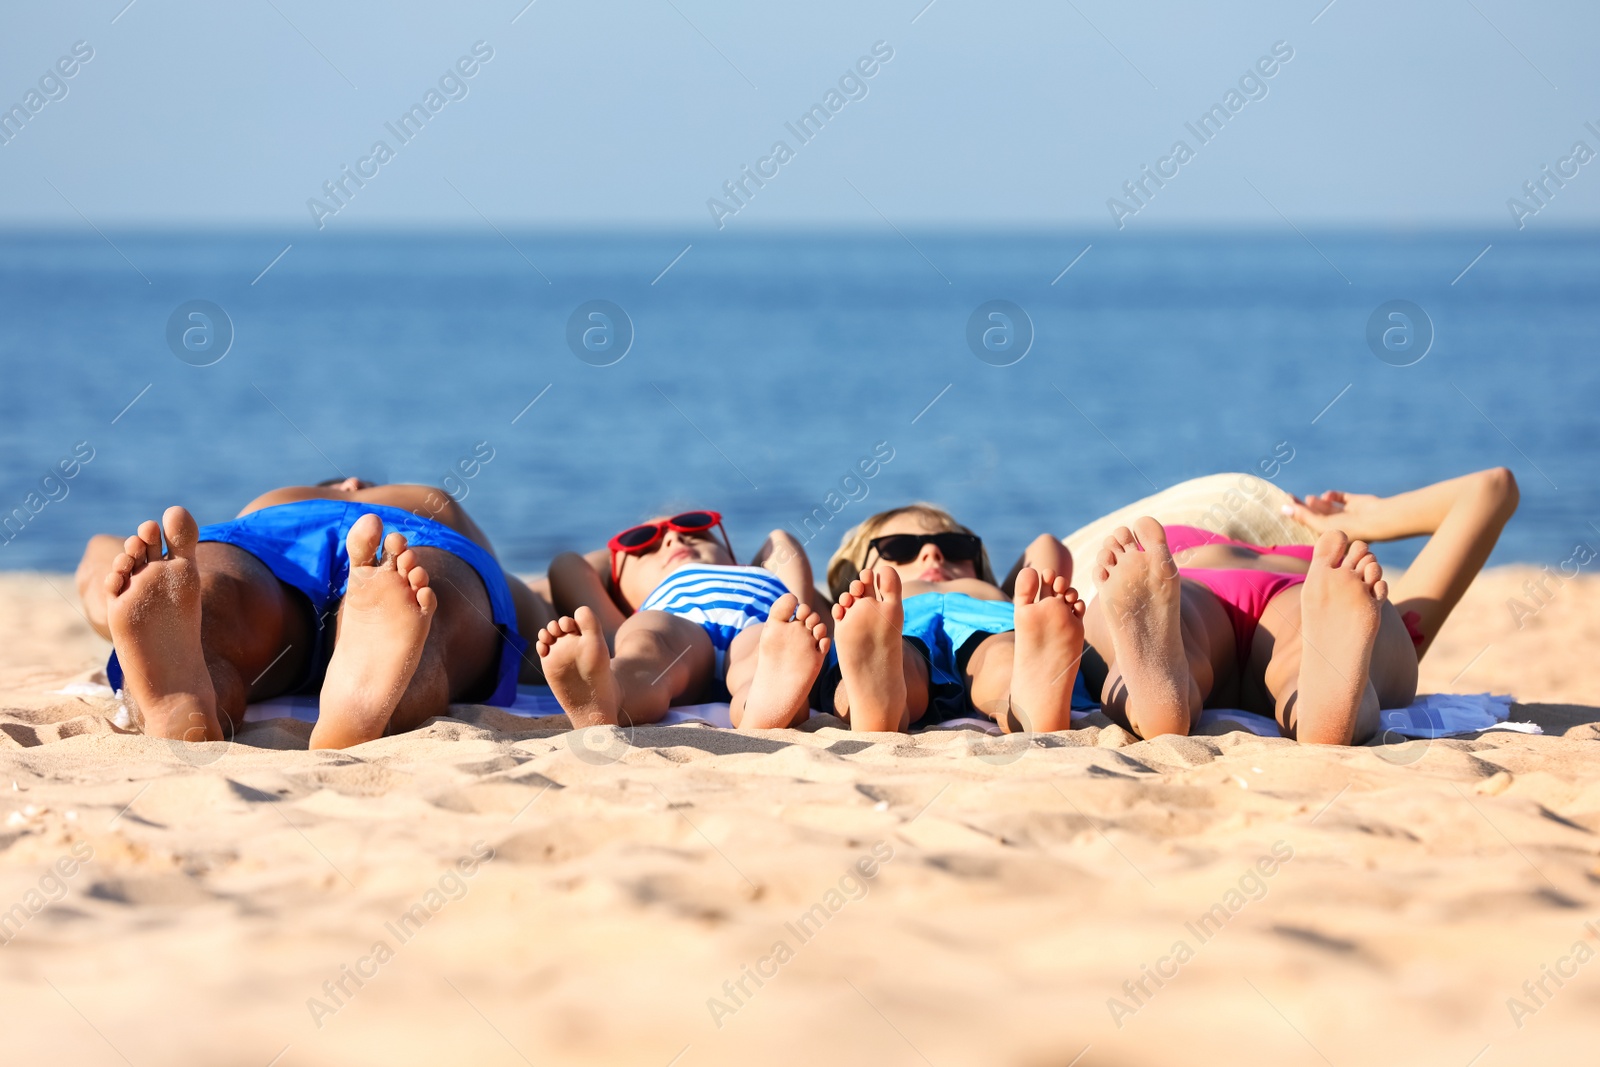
(303,592)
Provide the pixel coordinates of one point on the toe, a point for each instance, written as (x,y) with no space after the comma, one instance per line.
(1330,548)
(363,539)
(393,547)
(1356,555)
(418,577)
(1027,586)
(427,600)
(1380,589)
(183,533)
(1121,538)
(888,581)
(586,620)
(783,608)
(568,624)
(138,550)
(1149,532)
(149,538)
(858,589)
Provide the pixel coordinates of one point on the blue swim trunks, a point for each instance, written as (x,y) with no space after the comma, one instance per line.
(949,627)
(302,544)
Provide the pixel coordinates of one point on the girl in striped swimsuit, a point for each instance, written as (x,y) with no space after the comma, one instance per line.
(675,620)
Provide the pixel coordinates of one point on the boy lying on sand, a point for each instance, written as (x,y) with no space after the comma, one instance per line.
(922,627)
(304,592)
(1314,637)
(687,624)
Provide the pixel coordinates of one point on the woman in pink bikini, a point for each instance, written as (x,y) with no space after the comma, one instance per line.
(1312,636)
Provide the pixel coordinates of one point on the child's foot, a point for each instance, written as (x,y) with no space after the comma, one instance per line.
(1340,609)
(788,659)
(577,667)
(867,632)
(153,611)
(383,623)
(1141,596)
(1049,644)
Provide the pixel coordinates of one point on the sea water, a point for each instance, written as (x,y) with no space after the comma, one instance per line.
(796,381)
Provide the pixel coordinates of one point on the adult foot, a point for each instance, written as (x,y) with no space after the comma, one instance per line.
(868,618)
(1048,647)
(1340,609)
(793,644)
(383,624)
(153,610)
(577,667)
(1141,597)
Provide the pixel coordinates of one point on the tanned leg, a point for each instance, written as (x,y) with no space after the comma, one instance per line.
(661,659)
(1321,639)
(1024,680)
(771,667)
(201,630)
(384,621)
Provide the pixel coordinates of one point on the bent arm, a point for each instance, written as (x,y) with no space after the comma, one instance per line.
(1461,517)
(1046,552)
(576,581)
(785,556)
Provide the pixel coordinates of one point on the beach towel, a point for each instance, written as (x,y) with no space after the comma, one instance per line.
(1435,715)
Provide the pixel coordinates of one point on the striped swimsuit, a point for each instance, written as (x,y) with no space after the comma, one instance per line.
(721,600)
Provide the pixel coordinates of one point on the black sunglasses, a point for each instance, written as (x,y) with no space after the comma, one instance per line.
(903,548)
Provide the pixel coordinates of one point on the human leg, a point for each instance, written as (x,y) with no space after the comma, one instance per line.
(1163,639)
(771,666)
(201,630)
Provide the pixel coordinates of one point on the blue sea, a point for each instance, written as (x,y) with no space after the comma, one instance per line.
(760,372)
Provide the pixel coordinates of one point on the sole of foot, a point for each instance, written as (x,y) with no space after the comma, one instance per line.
(793,644)
(153,611)
(1048,648)
(867,623)
(1341,607)
(1141,596)
(577,667)
(384,620)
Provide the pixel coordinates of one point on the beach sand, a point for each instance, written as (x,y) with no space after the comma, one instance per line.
(1366,905)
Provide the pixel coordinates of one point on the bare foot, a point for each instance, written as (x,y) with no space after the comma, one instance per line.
(383,624)
(577,666)
(1049,644)
(1340,609)
(1142,596)
(153,610)
(788,659)
(869,616)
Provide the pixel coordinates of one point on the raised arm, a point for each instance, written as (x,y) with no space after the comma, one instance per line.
(1462,519)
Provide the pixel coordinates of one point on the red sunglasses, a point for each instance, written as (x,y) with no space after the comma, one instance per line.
(636,540)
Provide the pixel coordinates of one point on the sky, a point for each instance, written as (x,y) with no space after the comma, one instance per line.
(633,114)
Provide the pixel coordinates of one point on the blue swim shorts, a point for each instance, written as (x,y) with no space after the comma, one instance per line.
(949,627)
(302,544)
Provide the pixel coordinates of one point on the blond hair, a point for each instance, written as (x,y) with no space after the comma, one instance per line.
(847,562)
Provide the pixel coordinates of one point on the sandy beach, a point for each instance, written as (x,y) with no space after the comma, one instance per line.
(484,890)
